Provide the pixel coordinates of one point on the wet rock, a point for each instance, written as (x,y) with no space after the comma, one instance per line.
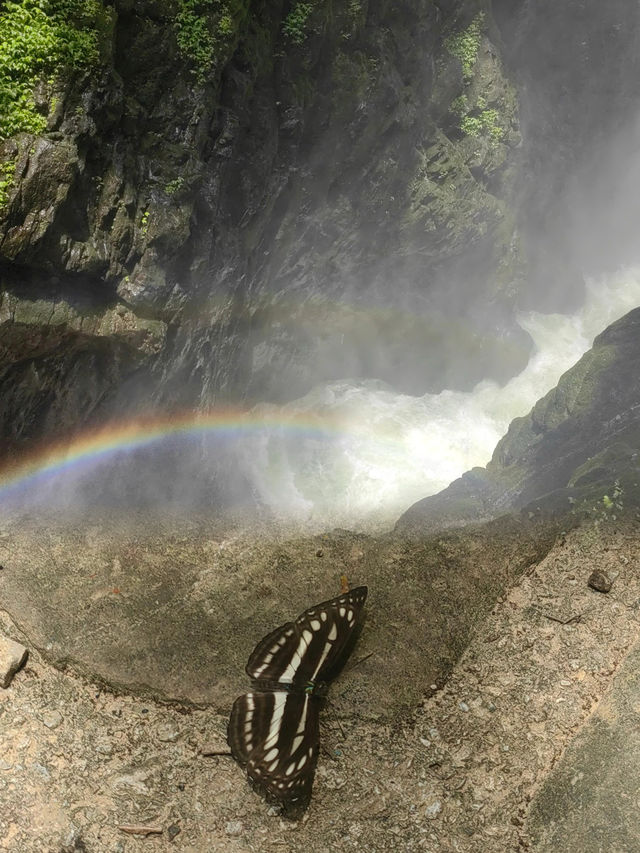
(12,656)
(600,581)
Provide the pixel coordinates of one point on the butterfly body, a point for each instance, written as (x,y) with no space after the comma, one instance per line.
(274,730)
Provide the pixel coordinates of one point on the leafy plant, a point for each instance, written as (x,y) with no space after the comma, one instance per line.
(294,26)
(40,39)
(205,29)
(7,172)
(174,186)
(486,122)
(193,33)
(465,45)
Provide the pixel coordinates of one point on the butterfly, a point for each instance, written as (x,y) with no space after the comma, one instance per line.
(274,731)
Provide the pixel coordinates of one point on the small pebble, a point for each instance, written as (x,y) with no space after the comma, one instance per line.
(233,827)
(463,706)
(52,719)
(319,553)
(104,746)
(41,770)
(12,656)
(433,810)
(173,830)
(167,733)
(600,581)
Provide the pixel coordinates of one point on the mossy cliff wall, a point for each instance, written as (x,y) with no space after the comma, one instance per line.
(233,200)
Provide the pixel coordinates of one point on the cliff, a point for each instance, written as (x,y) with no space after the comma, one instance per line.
(228,201)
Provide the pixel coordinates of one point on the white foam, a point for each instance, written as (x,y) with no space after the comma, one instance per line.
(394,449)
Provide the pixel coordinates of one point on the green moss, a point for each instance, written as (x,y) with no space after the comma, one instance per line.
(353,76)
(7,172)
(207,30)
(465,45)
(295,25)
(40,39)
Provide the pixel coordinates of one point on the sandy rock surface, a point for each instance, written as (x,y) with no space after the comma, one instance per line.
(78,761)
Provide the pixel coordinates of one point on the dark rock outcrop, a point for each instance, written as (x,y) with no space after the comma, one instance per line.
(577,450)
(315,205)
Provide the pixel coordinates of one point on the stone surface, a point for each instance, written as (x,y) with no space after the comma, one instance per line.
(13,655)
(588,803)
(377,780)
(173,609)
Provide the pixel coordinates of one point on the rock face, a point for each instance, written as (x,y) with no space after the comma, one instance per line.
(577,450)
(303,206)
(236,204)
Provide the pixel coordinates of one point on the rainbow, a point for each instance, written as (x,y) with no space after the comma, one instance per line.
(93,446)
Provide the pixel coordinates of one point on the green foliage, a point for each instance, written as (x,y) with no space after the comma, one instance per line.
(615,502)
(603,510)
(194,35)
(144,222)
(465,45)
(205,30)
(294,26)
(486,122)
(7,172)
(40,39)
(174,187)
(460,106)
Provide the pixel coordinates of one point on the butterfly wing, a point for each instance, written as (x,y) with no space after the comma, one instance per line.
(312,647)
(275,736)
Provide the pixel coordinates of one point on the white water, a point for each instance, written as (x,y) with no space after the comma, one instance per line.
(393,449)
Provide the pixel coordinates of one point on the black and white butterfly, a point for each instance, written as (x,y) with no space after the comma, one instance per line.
(274,731)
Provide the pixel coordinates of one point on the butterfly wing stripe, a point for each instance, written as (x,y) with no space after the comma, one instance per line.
(292,669)
(279,703)
(291,652)
(249,724)
(288,775)
(275,732)
(343,616)
(273,653)
(325,653)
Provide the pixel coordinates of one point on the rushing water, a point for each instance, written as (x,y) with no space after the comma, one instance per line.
(349,454)
(391,449)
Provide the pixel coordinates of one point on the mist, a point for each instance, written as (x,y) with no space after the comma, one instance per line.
(353,453)
(376,297)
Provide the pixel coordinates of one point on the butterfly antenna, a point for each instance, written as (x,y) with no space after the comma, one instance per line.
(336,719)
(358,662)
